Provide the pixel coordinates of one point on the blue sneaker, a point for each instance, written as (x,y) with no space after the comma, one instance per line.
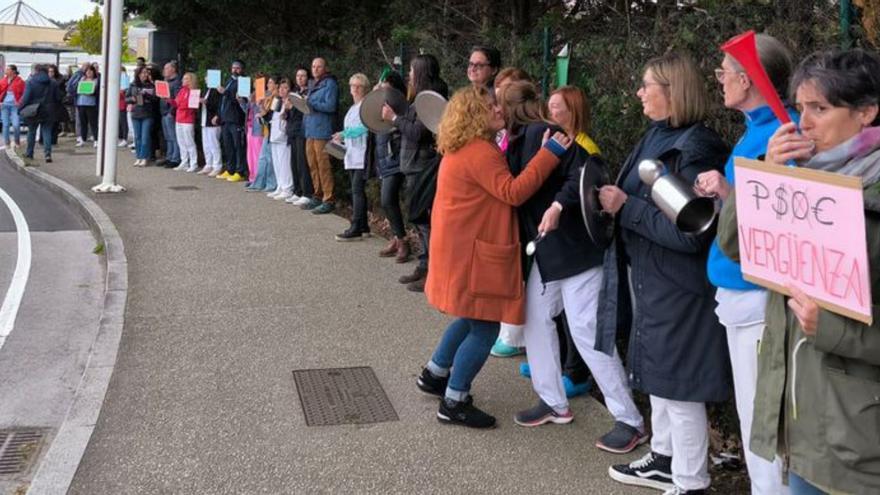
(502,350)
(574,389)
(524,370)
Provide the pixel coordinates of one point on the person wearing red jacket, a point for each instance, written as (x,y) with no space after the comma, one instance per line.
(11,91)
(185,119)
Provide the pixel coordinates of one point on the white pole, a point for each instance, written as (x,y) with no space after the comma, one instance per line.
(108,121)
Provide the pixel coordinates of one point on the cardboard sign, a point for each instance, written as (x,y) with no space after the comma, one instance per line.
(162,89)
(194,96)
(244,87)
(260,88)
(86,88)
(807,228)
(213,78)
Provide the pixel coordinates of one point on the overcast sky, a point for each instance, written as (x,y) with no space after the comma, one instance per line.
(60,10)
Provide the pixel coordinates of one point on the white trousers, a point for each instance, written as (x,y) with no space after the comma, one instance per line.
(579,297)
(681,430)
(211,147)
(512,335)
(281,165)
(186,141)
(766,477)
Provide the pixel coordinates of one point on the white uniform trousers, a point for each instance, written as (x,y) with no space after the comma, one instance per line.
(766,477)
(186,141)
(511,335)
(578,295)
(681,430)
(281,165)
(211,147)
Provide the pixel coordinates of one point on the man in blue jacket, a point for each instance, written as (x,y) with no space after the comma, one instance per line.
(323,101)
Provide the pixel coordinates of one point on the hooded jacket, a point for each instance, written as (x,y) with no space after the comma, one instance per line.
(44,90)
(323,99)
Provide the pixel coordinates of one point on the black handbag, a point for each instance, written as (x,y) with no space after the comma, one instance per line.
(29,111)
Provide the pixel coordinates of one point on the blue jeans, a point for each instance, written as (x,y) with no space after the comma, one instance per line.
(464,347)
(800,486)
(143,129)
(10,114)
(46,136)
(172,151)
(265,179)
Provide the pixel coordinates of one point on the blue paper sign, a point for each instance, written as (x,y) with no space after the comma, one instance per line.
(213,79)
(244,87)
(124,81)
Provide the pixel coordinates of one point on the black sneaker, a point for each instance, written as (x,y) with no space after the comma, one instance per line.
(349,235)
(432,384)
(622,439)
(542,414)
(652,471)
(681,491)
(463,413)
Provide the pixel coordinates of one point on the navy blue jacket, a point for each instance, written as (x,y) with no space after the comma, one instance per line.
(42,89)
(677,348)
(231,111)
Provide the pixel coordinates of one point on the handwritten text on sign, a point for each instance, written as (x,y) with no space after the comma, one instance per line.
(804,227)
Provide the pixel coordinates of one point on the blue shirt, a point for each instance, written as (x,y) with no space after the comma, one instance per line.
(760,125)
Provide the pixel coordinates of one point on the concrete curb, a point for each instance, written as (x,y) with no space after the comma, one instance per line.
(59,465)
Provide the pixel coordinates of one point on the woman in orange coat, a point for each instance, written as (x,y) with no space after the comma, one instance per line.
(475,268)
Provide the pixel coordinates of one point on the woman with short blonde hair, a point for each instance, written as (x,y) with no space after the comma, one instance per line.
(475,272)
(684,86)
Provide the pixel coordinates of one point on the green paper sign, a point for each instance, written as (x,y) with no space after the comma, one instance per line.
(85,88)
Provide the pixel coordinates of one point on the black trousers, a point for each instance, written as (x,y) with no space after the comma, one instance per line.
(391,187)
(232,136)
(573,365)
(88,120)
(359,200)
(299,164)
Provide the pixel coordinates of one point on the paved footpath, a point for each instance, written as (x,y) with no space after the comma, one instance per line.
(229,292)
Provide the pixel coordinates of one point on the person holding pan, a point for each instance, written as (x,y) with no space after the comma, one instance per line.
(418,158)
(677,349)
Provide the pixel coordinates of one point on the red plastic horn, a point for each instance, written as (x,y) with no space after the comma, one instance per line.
(745,51)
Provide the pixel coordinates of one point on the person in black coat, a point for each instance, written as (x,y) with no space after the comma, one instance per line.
(677,349)
(303,190)
(44,91)
(232,119)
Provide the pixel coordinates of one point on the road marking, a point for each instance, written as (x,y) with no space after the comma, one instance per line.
(9,310)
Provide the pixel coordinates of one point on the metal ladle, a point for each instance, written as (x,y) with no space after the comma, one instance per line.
(532,246)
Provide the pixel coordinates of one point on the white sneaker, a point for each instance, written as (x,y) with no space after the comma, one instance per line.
(138,163)
(205,170)
(180,168)
(214,173)
(282,196)
(79,143)
(302,201)
(122,143)
(194,168)
(274,193)
(94,144)
(292,199)
(131,145)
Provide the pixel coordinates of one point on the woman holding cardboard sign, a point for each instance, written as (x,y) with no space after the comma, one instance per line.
(819,372)
(184,123)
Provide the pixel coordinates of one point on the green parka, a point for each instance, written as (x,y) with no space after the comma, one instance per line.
(833,438)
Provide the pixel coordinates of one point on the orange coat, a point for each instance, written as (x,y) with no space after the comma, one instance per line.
(475,270)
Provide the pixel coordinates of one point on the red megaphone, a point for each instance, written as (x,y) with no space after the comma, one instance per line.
(745,51)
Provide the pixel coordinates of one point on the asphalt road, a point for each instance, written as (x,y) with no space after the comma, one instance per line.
(43,357)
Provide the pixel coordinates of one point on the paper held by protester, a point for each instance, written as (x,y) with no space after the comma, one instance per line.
(213,78)
(260,89)
(85,88)
(244,87)
(195,95)
(162,89)
(806,228)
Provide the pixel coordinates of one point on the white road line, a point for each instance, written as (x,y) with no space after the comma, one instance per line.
(9,310)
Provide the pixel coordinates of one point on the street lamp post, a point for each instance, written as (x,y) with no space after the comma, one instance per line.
(108,110)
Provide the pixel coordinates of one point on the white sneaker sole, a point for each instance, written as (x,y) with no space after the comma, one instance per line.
(636,481)
(557,420)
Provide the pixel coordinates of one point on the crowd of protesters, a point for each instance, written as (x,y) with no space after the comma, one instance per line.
(504,168)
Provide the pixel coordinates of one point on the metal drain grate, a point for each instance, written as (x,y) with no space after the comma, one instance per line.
(337,396)
(19,449)
(183,188)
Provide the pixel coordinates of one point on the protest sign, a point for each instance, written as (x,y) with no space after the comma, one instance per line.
(124,81)
(213,79)
(244,87)
(807,228)
(162,89)
(260,88)
(194,96)
(85,88)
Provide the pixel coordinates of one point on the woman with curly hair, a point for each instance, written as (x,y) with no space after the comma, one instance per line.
(475,272)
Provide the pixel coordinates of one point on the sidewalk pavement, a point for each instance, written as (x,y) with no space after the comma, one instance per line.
(229,292)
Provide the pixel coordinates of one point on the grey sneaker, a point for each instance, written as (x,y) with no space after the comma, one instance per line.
(622,439)
(542,414)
